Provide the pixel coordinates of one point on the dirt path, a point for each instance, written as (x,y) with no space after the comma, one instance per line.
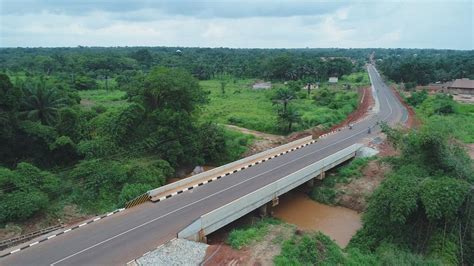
(264,141)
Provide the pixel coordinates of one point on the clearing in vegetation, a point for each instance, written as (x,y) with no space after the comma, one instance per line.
(254,109)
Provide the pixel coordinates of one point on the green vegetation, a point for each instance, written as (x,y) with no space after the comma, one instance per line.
(103,99)
(272,111)
(315,248)
(310,249)
(326,191)
(425,204)
(105,151)
(111,123)
(242,237)
(420,67)
(442,109)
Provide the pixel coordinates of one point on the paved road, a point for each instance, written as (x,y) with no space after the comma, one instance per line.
(129,234)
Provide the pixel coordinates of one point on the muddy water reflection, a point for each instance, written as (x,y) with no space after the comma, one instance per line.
(338,223)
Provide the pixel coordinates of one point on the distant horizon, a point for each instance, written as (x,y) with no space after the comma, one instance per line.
(220,47)
(404,24)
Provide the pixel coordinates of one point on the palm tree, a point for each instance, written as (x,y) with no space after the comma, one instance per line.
(42,104)
(289,116)
(283,96)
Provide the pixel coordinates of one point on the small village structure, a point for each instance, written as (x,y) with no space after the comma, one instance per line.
(461,86)
(262,85)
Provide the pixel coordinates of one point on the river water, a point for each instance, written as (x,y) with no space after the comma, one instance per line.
(339,223)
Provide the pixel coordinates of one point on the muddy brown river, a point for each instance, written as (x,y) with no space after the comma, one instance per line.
(338,223)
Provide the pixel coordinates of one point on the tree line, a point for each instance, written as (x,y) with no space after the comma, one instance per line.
(420,67)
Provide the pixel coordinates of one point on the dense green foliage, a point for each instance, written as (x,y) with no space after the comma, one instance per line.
(310,249)
(91,68)
(25,191)
(106,150)
(425,204)
(420,67)
(318,249)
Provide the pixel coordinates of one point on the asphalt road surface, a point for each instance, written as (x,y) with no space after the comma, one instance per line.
(129,234)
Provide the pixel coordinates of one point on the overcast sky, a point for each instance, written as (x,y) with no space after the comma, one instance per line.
(245,24)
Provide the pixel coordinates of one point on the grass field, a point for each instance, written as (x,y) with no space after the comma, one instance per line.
(107,99)
(253,109)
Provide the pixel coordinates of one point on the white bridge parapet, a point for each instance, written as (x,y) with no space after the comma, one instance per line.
(230,212)
(228,167)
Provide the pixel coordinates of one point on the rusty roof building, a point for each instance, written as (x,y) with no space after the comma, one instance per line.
(462,86)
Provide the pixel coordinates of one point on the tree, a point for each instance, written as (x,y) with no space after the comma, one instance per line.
(417,97)
(174,89)
(143,56)
(289,116)
(10,98)
(84,83)
(223,80)
(42,104)
(283,96)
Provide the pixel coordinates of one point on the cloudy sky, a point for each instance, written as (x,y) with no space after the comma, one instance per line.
(255,23)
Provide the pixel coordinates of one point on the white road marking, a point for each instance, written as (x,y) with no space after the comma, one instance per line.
(15,251)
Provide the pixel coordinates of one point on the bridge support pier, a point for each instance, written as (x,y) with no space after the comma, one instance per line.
(263,210)
(321,176)
(202,237)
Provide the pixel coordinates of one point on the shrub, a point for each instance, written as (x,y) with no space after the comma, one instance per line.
(324,195)
(239,238)
(131,191)
(310,249)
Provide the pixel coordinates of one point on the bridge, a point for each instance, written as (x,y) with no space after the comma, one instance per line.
(200,205)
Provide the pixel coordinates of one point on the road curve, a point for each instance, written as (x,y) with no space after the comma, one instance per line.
(131,233)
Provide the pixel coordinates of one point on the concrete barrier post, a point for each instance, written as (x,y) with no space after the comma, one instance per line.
(263,210)
(322,175)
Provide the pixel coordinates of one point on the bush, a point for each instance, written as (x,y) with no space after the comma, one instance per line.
(25,191)
(239,238)
(131,191)
(310,249)
(324,195)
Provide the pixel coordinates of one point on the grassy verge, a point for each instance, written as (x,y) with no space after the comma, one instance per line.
(326,192)
(239,238)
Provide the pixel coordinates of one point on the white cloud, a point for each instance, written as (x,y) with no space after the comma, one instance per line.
(359,24)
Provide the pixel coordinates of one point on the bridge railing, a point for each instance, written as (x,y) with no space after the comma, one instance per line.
(224,215)
(226,168)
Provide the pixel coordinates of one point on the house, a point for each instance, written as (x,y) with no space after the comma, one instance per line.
(260,85)
(461,86)
(333,80)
